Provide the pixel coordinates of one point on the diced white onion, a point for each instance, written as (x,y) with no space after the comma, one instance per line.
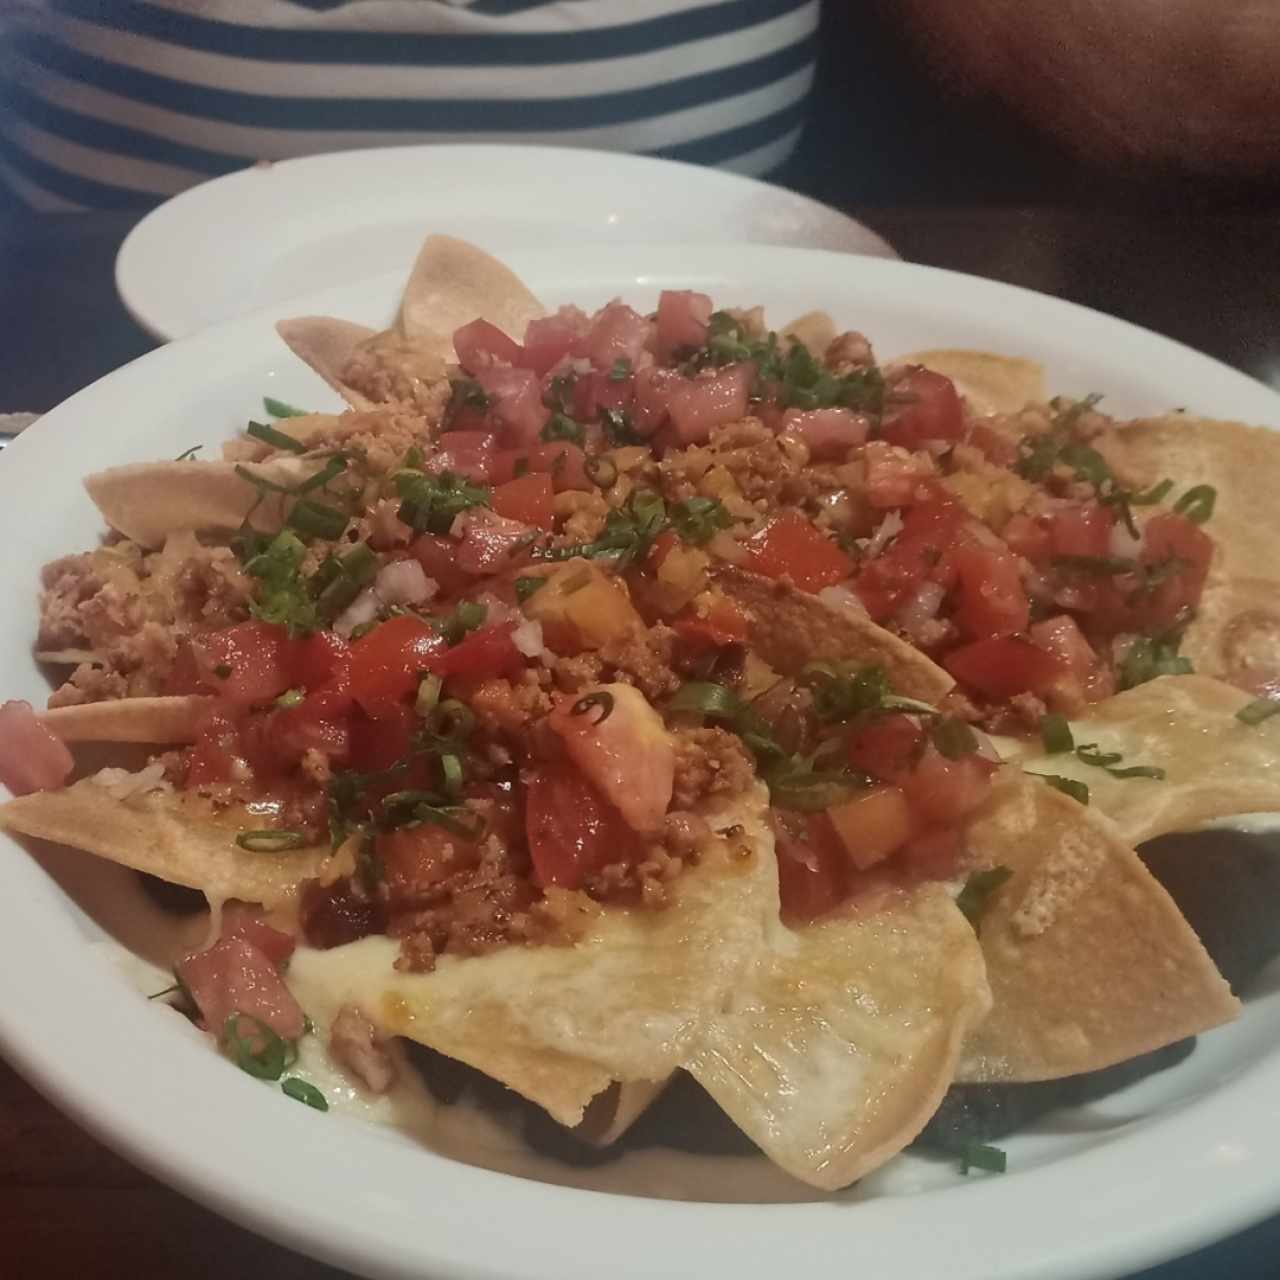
(887,529)
(921,609)
(404,582)
(120,784)
(364,608)
(841,598)
(527,637)
(1123,543)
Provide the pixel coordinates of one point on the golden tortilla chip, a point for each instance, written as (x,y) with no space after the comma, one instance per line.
(834,1054)
(815,330)
(789,628)
(327,346)
(1089,960)
(453,283)
(1215,766)
(626,1002)
(614,1111)
(148,720)
(147,501)
(1235,635)
(134,820)
(990,383)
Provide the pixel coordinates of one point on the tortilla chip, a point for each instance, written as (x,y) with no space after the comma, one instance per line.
(1089,961)
(125,819)
(836,1052)
(151,720)
(327,345)
(789,628)
(147,501)
(626,1002)
(815,330)
(614,1111)
(1235,635)
(990,383)
(453,283)
(1214,765)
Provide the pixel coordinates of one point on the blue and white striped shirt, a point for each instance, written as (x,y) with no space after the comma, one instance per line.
(119,103)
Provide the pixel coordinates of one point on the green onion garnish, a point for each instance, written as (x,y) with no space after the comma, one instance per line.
(1258,710)
(979,1155)
(698,520)
(428,694)
(562,427)
(1149,497)
(954,738)
(601,699)
(707,699)
(621,370)
(1055,733)
(301,1091)
(290,698)
(259,1051)
(271,840)
(451,768)
(975,897)
(1068,786)
(1088,753)
(317,520)
(276,439)
(189,453)
(279,409)
(1197,503)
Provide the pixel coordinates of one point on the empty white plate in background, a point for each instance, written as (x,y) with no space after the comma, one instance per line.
(269,233)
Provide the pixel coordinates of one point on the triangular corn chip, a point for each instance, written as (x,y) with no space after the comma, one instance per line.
(130,819)
(990,383)
(838,1049)
(151,720)
(327,346)
(147,501)
(1214,765)
(626,1002)
(453,283)
(1235,634)
(789,628)
(1089,960)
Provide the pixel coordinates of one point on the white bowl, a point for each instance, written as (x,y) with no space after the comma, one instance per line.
(1181,1159)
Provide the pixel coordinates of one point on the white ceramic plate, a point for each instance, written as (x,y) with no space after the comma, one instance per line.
(266,234)
(1181,1159)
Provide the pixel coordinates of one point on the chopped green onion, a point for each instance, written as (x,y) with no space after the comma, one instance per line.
(428,694)
(525,587)
(1089,754)
(317,520)
(1055,733)
(562,427)
(1149,497)
(975,897)
(430,503)
(1068,786)
(601,698)
(1258,710)
(980,1155)
(621,370)
(259,1052)
(451,767)
(697,520)
(451,721)
(954,738)
(290,698)
(272,840)
(467,616)
(279,409)
(189,453)
(1149,657)
(301,1091)
(276,439)
(707,699)
(1154,772)
(1197,503)
(330,471)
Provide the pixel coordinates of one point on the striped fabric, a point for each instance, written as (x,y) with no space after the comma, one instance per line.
(120,103)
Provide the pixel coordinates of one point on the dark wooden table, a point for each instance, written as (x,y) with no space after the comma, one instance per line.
(69,1207)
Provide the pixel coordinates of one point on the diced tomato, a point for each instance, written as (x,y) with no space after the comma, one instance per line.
(1080,530)
(378,744)
(827,433)
(292,732)
(218,755)
(896,478)
(245,664)
(991,600)
(653,390)
(1027,537)
(515,400)
(1001,667)
(241,921)
(234,976)
(487,651)
(920,553)
(698,405)
(923,406)
(942,791)
(490,542)
(887,747)
(481,344)
(994,445)
(184,675)
(718,624)
(469,453)
(1086,678)
(438,557)
(563,461)
(32,757)
(1167,537)
(526,499)
(617,333)
(416,859)
(317,659)
(813,867)
(619,742)
(387,664)
(573,831)
(548,339)
(596,391)
(934,853)
(872,824)
(791,546)
(682,320)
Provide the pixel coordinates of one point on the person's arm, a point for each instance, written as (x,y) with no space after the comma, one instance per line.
(1193,84)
